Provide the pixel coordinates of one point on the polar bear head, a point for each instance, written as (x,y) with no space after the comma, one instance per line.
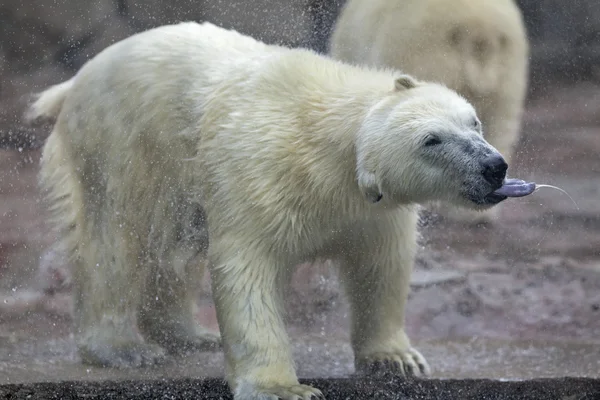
(423,142)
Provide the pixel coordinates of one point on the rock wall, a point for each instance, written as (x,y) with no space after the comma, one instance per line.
(565,38)
(45,41)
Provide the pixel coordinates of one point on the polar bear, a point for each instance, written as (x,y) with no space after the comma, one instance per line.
(190,142)
(476,47)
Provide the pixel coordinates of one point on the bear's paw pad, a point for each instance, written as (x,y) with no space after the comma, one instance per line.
(408,363)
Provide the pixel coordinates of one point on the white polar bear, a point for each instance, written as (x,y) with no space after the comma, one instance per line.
(282,156)
(477,47)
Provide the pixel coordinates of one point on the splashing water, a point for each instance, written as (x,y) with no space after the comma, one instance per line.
(538,187)
(519,188)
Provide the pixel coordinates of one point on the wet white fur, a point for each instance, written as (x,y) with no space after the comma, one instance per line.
(476,47)
(283,151)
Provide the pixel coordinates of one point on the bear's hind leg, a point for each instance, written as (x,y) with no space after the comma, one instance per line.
(108,281)
(375,267)
(168,313)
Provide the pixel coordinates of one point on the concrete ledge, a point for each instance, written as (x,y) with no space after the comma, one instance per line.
(333,389)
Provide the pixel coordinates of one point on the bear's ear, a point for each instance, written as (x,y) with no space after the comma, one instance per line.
(405,82)
(368,185)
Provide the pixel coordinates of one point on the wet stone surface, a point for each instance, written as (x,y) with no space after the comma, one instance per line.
(357,389)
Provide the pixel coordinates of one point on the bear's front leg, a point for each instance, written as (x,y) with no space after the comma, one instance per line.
(376,267)
(247,293)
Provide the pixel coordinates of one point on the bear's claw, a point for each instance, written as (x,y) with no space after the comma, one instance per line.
(293,392)
(408,363)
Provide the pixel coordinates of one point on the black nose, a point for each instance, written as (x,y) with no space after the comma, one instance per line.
(494,169)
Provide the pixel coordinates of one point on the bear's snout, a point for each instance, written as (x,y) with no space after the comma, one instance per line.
(494,169)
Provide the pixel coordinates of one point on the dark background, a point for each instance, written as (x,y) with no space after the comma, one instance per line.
(45,41)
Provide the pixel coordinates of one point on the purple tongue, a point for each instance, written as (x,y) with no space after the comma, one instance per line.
(513,181)
(516,188)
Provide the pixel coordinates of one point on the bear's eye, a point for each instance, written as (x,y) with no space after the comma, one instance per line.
(432,141)
(475,123)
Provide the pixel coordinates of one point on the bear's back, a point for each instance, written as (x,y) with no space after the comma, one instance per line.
(153,82)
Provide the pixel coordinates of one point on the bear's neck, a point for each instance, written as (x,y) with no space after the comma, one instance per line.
(332,121)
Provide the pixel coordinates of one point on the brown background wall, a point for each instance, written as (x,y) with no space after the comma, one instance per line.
(44,41)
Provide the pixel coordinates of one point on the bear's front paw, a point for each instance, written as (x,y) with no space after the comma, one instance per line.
(407,363)
(279,392)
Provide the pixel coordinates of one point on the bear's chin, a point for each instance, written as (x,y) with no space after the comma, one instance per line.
(487,201)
